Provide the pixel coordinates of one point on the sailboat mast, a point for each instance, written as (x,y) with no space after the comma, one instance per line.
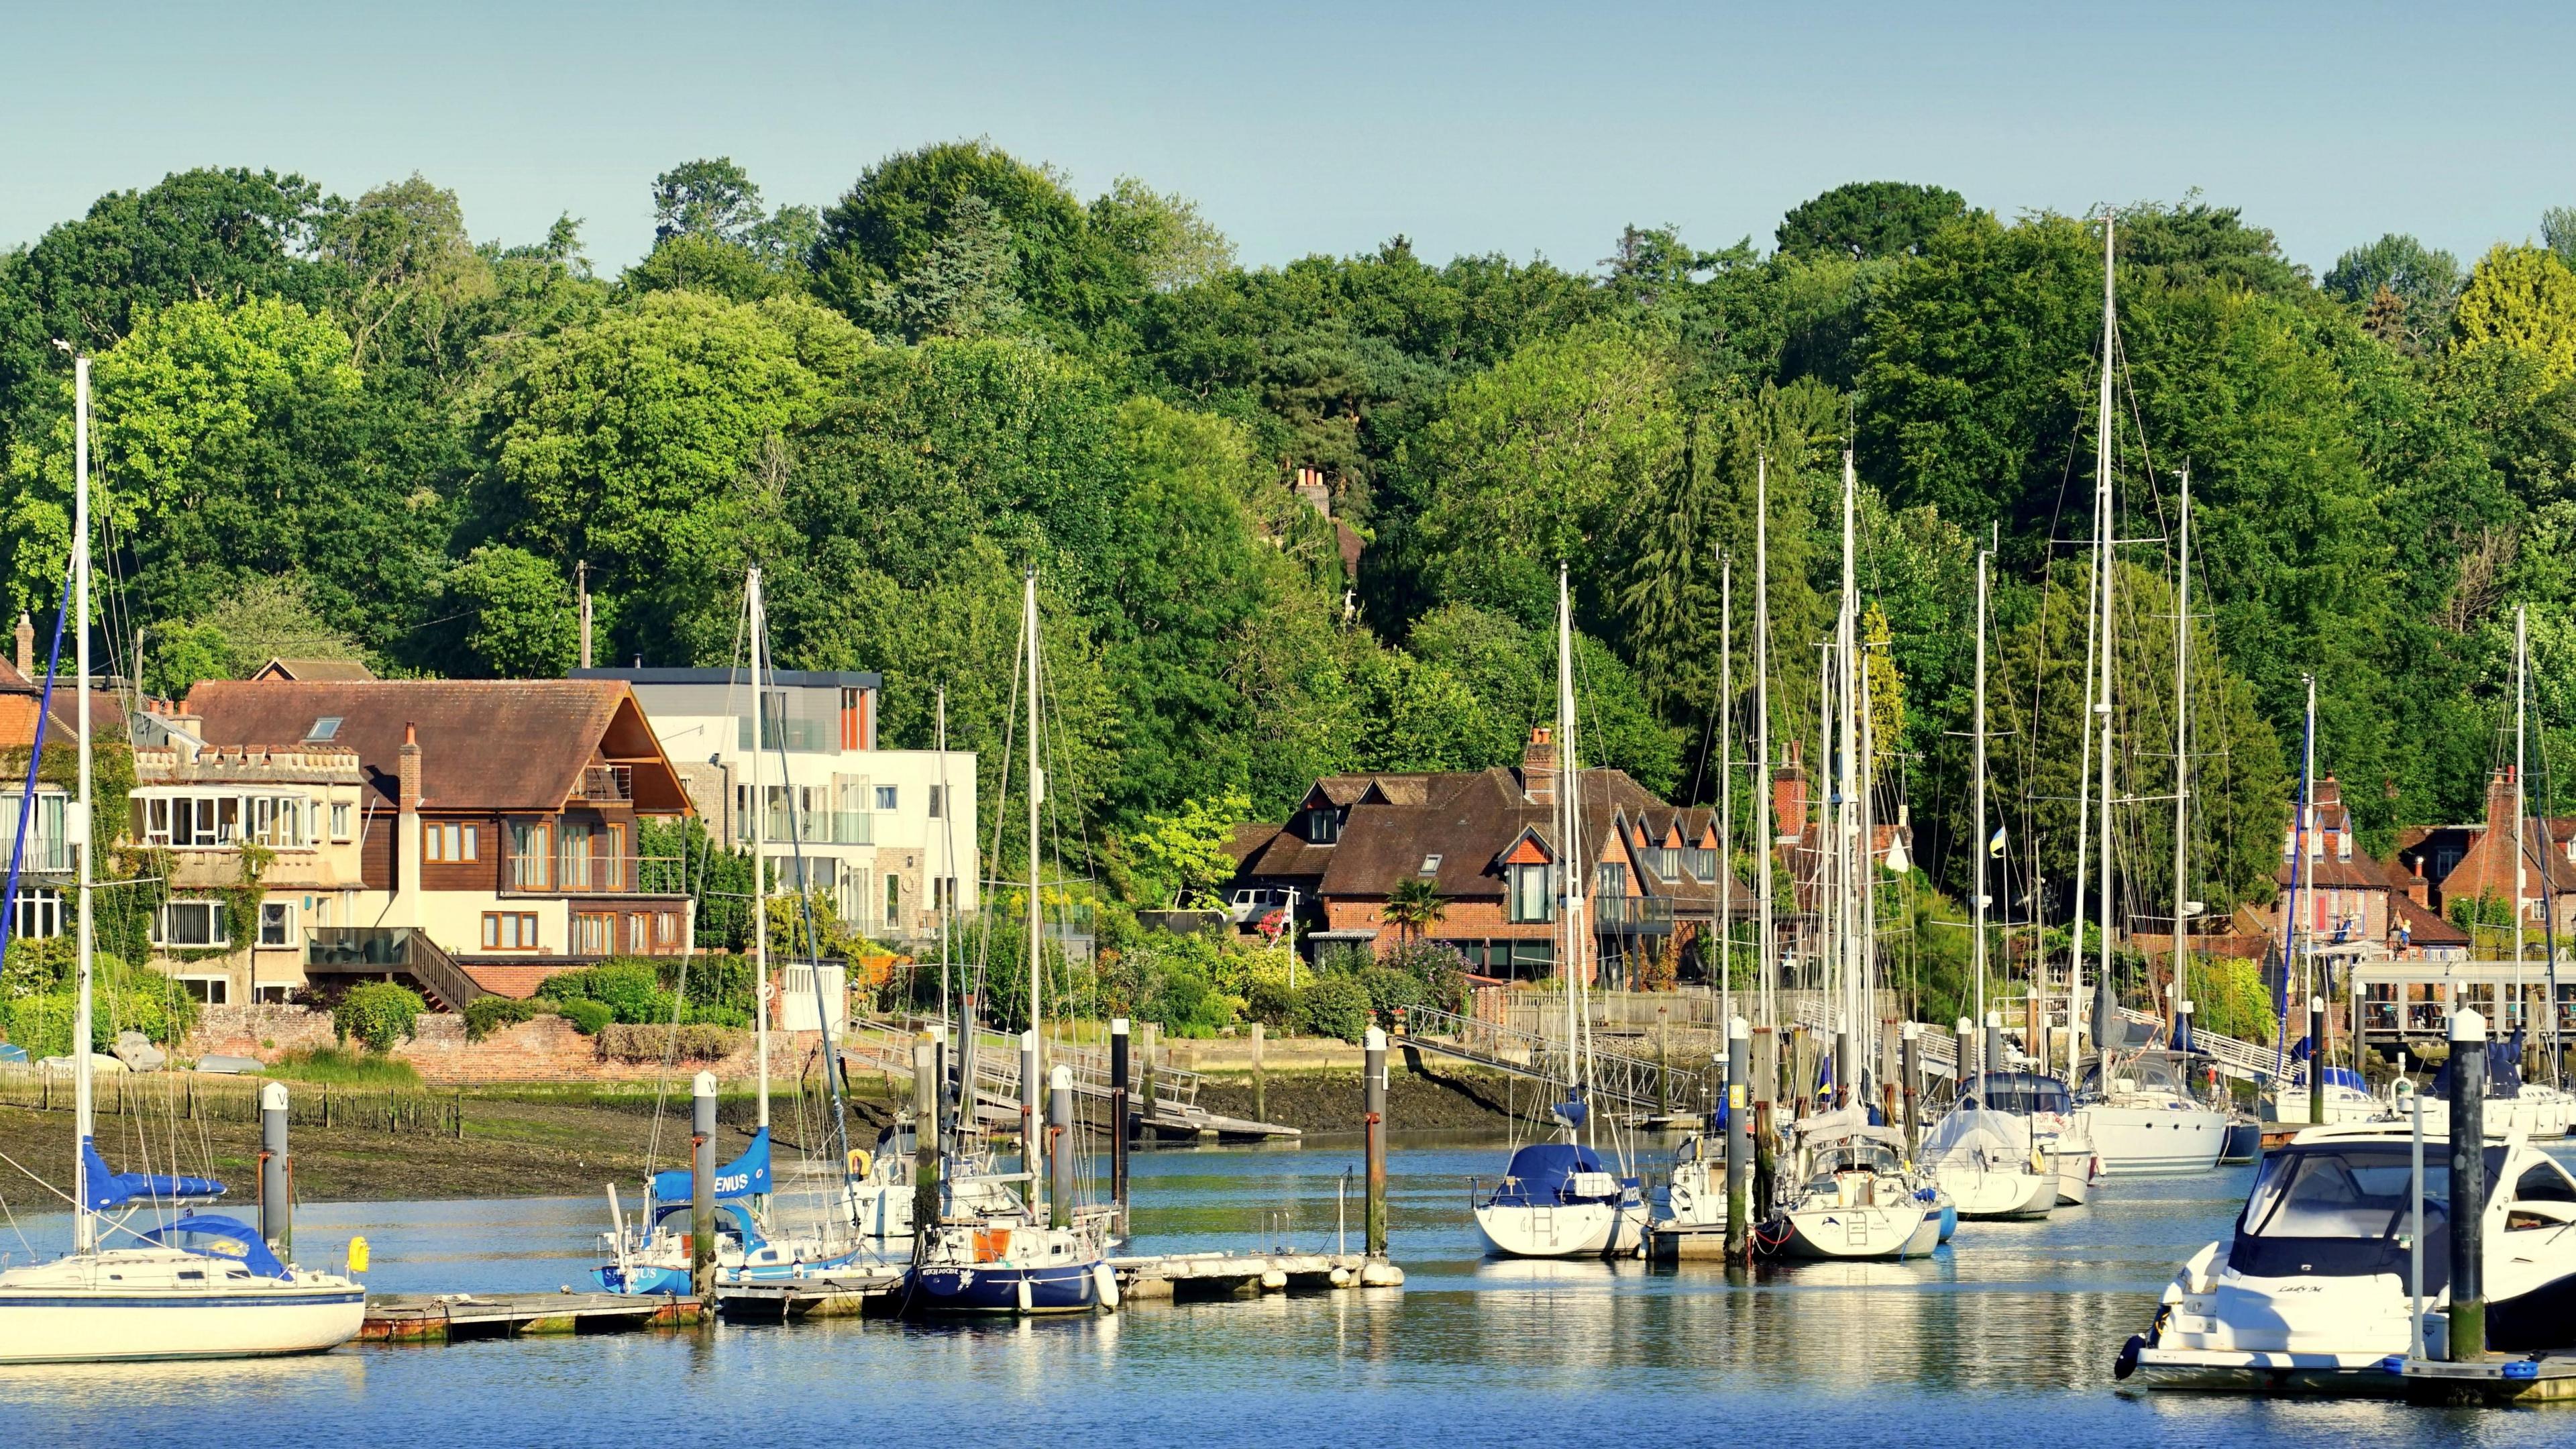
(2182,762)
(2083,856)
(1977,847)
(1847,810)
(948,869)
(1030,1091)
(1570,891)
(1769,960)
(2105,522)
(1722,922)
(2308,843)
(759,845)
(2521,811)
(84,1096)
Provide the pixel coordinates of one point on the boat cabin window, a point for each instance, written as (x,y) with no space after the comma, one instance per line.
(1857,1157)
(2344,1210)
(2544,1182)
(2153,1072)
(2021,1093)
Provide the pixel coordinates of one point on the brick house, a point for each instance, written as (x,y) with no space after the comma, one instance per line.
(2473,862)
(42,907)
(2343,894)
(1487,842)
(492,825)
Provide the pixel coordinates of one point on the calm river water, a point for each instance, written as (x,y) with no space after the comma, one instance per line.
(2005,1337)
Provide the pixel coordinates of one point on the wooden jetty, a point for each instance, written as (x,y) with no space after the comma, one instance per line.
(1201,1276)
(450,1317)
(2496,1378)
(1675,1243)
(819,1295)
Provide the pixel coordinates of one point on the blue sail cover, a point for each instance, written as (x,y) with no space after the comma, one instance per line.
(214,1237)
(2336,1077)
(745,1176)
(1542,1173)
(108,1189)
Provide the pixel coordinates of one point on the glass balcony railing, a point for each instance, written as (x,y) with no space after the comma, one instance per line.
(814,827)
(592,874)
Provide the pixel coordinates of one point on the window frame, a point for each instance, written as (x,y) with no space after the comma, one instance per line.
(218,925)
(523,925)
(283,914)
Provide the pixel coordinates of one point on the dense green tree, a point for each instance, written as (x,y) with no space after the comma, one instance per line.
(962,287)
(1870,219)
(2420,287)
(2523,298)
(520,620)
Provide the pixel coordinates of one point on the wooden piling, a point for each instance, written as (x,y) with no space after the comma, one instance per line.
(1373,1121)
(1260,1079)
(1739,1136)
(925,1134)
(1119,1069)
(702,1183)
(2468,1338)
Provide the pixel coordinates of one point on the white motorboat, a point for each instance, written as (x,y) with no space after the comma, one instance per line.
(1855,1201)
(2314,1287)
(199,1287)
(2146,1121)
(1989,1164)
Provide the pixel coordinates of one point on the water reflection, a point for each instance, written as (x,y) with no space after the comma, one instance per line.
(2006,1335)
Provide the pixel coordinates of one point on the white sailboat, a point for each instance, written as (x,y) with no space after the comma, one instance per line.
(200,1287)
(1556,1199)
(2138,1111)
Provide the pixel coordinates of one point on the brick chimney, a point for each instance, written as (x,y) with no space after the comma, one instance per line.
(26,646)
(1538,767)
(1318,494)
(407,847)
(1789,797)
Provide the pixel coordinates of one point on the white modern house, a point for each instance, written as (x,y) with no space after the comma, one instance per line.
(889,833)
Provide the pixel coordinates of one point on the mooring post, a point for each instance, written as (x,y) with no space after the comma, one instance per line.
(926,1092)
(1032,1157)
(1969,1066)
(1373,1121)
(1260,1079)
(1118,1078)
(702,1183)
(1739,1133)
(2317,1061)
(2468,1187)
(1060,1147)
(1145,1070)
(1910,1067)
(939,1111)
(1766,1168)
(276,1172)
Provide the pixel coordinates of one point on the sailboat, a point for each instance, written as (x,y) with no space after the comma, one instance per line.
(203,1286)
(1556,1199)
(992,1252)
(2135,1107)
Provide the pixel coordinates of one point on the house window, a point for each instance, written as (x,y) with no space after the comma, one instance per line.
(509,930)
(38,914)
(1430,865)
(885,797)
(853,721)
(340,813)
(530,869)
(1529,893)
(639,931)
(447,842)
(894,898)
(212,990)
(1610,878)
(939,807)
(943,892)
(591,931)
(277,923)
(1323,825)
(190,923)
(666,929)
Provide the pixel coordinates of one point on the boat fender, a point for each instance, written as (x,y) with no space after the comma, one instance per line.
(2127,1363)
(357,1255)
(1104,1281)
(1025,1297)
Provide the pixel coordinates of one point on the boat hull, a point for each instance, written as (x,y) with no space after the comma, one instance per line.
(90,1327)
(2153,1141)
(1906,1231)
(1983,1196)
(996,1288)
(1563,1230)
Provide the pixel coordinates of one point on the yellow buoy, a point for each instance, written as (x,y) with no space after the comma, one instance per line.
(357,1255)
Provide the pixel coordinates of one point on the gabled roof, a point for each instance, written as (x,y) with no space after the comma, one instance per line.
(486,744)
(2423,927)
(312,671)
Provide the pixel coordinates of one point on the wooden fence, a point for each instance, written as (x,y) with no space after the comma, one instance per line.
(194,1097)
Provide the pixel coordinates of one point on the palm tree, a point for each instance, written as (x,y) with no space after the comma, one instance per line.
(1414,906)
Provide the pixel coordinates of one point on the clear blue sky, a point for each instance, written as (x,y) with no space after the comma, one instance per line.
(1522,129)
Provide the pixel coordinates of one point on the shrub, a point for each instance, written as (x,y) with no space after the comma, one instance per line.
(1269,1000)
(2229,997)
(1390,990)
(1336,1005)
(588,1016)
(332,1064)
(1440,969)
(623,1042)
(627,986)
(1344,959)
(485,1015)
(378,1014)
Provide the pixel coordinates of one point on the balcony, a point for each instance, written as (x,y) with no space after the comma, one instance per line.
(606,785)
(1633,915)
(804,736)
(814,827)
(591,875)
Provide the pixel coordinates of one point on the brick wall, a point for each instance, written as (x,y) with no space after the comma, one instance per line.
(546,1049)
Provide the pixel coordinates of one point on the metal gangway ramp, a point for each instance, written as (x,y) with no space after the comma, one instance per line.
(1635,1085)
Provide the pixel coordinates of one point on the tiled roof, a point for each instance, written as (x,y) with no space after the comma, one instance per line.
(487,744)
(2424,927)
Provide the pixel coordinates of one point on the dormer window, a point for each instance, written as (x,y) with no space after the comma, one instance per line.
(1323,825)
